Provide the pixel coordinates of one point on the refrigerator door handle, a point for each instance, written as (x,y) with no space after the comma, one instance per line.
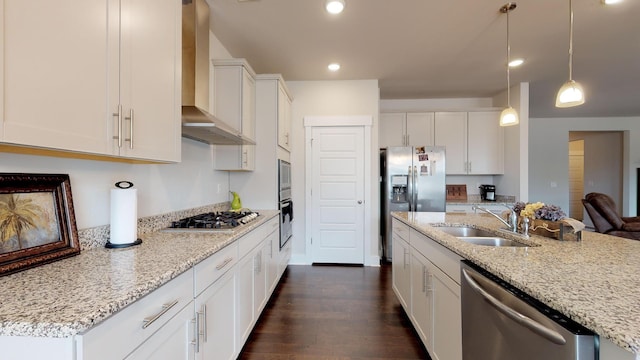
(415,188)
(410,188)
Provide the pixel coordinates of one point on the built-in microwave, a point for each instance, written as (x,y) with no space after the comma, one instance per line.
(284,179)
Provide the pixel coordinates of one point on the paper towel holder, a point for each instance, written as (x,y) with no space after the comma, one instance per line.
(138,241)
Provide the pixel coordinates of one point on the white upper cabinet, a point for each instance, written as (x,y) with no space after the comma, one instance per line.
(485,143)
(78,74)
(451,132)
(234,102)
(54,81)
(473,140)
(284,117)
(406,129)
(149,79)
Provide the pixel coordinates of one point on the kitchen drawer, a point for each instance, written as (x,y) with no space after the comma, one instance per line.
(445,259)
(120,334)
(255,237)
(213,267)
(401,229)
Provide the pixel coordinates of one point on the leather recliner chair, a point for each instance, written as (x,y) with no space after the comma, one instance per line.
(602,211)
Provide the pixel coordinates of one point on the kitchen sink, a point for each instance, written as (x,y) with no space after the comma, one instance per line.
(466,231)
(491,241)
(478,236)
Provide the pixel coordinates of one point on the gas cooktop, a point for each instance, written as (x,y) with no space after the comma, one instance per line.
(221,221)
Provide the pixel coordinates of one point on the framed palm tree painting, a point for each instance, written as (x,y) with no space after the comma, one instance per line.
(37,222)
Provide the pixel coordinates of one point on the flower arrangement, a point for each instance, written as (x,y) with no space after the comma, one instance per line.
(539,210)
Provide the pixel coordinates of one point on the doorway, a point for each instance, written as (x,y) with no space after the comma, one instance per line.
(338,190)
(599,154)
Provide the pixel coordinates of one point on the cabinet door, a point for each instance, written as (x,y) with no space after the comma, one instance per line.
(486,143)
(150,47)
(54,82)
(421,307)
(173,341)
(451,132)
(446,338)
(260,264)
(244,299)
(234,100)
(401,272)
(273,258)
(391,130)
(419,129)
(284,118)
(215,309)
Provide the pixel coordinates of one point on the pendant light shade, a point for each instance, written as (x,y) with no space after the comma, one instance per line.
(571,93)
(509,116)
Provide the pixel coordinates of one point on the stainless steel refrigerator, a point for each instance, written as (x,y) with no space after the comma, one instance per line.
(412,179)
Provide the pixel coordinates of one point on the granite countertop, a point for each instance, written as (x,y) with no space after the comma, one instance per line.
(594,282)
(70,296)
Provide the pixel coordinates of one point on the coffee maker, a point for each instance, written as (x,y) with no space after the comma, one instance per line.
(488,192)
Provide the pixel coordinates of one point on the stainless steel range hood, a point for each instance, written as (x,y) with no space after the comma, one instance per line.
(197,122)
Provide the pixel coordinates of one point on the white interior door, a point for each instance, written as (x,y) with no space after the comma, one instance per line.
(337,234)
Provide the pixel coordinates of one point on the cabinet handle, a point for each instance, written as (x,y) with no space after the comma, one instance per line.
(151,319)
(408,140)
(119,115)
(286,136)
(424,279)
(130,118)
(224,263)
(429,284)
(204,323)
(469,166)
(245,158)
(196,341)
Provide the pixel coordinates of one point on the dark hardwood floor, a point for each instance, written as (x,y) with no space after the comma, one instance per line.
(334,312)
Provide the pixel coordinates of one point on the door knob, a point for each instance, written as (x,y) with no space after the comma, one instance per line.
(359,201)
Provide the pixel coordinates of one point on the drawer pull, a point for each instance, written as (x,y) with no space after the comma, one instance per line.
(224,263)
(151,319)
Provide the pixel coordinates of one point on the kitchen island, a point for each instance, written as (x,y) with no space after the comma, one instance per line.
(56,303)
(594,282)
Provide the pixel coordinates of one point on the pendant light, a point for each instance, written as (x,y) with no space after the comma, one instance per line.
(509,116)
(571,93)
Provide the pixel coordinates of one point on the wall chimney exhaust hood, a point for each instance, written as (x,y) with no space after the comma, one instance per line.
(197,123)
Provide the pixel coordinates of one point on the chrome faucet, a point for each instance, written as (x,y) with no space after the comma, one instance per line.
(512,225)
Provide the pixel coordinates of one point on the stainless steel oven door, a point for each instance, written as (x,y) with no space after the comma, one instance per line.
(286,217)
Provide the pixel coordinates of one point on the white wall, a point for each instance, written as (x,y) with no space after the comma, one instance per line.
(548,157)
(161,188)
(515,180)
(329,98)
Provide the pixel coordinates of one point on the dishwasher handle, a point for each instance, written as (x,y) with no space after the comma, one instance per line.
(524,320)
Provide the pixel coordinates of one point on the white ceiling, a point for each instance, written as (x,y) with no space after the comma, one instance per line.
(445,48)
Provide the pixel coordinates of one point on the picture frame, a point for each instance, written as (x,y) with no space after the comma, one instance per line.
(37,221)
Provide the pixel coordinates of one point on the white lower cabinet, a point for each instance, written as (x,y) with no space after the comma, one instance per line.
(140,322)
(172,342)
(421,296)
(215,309)
(401,270)
(433,284)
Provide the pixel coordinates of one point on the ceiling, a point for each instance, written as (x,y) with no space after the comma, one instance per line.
(446,48)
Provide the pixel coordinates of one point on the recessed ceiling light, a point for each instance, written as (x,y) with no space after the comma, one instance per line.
(611,2)
(516,62)
(334,6)
(334,67)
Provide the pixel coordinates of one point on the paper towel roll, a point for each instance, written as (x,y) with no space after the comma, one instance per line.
(124,216)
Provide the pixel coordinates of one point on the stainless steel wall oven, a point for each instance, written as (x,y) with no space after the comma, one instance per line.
(284,197)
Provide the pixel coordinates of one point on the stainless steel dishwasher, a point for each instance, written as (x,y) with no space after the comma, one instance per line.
(500,322)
